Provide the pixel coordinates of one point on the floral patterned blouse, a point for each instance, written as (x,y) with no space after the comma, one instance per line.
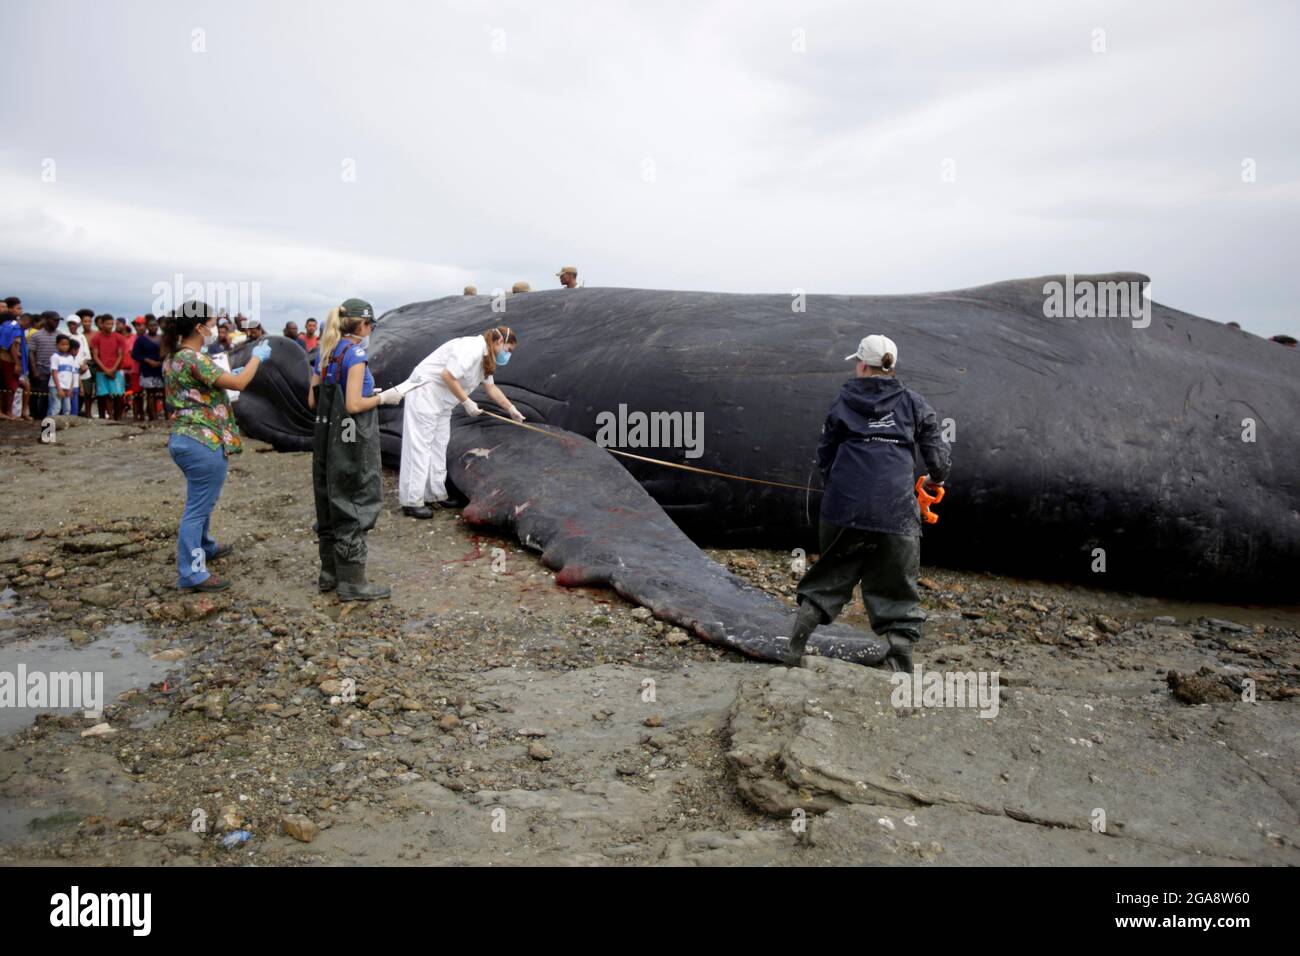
(197,407)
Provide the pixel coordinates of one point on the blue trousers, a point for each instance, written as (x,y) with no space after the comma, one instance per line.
(205,473)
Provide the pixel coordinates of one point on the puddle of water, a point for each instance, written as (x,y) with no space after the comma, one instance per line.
(8,598)
(20,824)
(130,668)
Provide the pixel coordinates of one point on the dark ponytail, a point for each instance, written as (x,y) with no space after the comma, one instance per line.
(181,324)
(887,361)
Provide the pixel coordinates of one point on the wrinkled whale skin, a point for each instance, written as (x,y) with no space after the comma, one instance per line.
(1075,440)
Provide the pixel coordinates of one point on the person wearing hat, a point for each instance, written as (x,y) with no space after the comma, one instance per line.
(345,451)
(521,286)
(86,333)
(253,330)
(568,277)
(471,290)
(443,380)
(870,523)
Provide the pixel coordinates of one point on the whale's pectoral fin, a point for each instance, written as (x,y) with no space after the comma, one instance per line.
(596,525)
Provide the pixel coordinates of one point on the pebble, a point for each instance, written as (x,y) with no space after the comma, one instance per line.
(539,751)
(299,827)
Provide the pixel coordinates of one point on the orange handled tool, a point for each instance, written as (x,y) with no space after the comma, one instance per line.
(925,499)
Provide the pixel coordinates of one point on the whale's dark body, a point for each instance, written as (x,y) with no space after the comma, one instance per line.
(1071,434)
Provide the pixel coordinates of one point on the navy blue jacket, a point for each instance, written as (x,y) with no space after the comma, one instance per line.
(868,454)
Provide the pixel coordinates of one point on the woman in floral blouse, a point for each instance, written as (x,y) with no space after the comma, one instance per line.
(204,434)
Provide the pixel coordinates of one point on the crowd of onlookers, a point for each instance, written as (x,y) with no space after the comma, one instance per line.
(88,363)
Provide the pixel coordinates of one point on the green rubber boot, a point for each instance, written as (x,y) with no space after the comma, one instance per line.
(900,653)
(353,585)
(805,622)
(327,581)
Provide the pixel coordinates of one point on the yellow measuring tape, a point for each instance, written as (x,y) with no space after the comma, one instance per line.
(657,461)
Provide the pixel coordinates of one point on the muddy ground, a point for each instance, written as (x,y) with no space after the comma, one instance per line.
(501,719)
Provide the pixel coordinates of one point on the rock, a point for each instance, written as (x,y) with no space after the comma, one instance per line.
(1107,625)
(642,613)
(229,819)
(1164,620)
(677,636)
(1222,625)
(99,730)
(55,573)
(331,687)
(299,827)
(539,751)
(654,720)
(1202,687)
(449,722)
(170,655)
(96,542)
(102,595)
(531,732)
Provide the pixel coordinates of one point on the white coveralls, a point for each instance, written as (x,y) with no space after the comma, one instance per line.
(426,417)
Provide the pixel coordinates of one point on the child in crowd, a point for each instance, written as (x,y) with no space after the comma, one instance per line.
(64,377)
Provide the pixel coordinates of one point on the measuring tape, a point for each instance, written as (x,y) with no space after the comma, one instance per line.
(658,461)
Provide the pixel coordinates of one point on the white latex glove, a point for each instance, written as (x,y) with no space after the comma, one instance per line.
(516,414)
(389,396)
(471,408)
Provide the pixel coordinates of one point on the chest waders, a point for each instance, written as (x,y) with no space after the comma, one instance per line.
(345,479)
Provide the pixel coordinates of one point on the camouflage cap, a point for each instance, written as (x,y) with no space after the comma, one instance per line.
(521,286)
(471,290)
(564,270)
(357,309)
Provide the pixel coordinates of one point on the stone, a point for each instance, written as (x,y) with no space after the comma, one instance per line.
(299,827)
(95,542)
(539,751)
(229,819)
(102,595)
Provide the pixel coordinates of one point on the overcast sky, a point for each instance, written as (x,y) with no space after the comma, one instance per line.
(735,146)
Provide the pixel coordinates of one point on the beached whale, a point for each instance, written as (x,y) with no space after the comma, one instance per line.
(1151,450)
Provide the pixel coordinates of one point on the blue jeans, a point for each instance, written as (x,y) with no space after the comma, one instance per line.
(205,473)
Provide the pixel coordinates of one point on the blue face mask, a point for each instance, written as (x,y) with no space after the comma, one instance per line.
(503,358)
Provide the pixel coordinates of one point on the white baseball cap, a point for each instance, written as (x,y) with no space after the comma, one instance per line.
(873,349)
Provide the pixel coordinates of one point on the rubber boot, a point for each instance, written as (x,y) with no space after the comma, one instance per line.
(353,585)
(899,657)
(327,580)
(805,622)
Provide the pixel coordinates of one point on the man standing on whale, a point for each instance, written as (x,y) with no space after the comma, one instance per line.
(870,527)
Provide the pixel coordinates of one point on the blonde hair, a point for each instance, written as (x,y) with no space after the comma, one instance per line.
(502,334)
(331,332)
